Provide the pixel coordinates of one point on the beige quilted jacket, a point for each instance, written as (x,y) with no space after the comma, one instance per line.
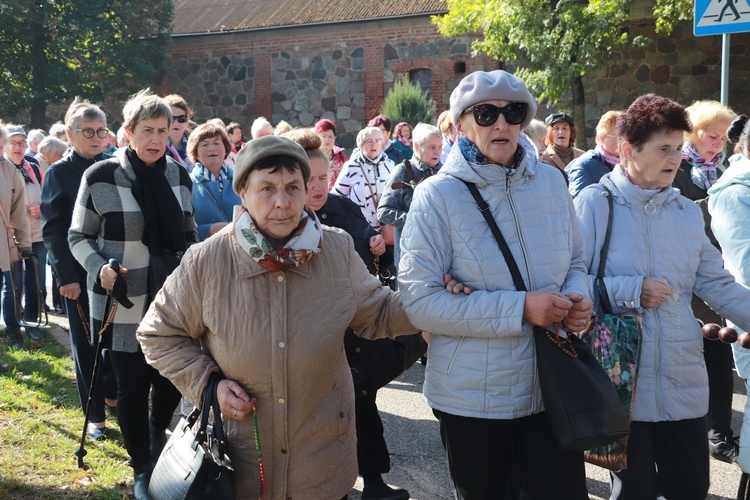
(13,201)
(281,335)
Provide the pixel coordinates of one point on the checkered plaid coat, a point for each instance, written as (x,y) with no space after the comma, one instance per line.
(108,223)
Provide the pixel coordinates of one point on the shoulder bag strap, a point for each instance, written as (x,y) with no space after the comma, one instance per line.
(484,208)
(409,175)
(367,180)
(5,217)
(599,289)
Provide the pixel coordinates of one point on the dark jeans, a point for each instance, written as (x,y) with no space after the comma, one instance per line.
(482,452)
(678,449)
(372,452)
(135,379)
(26,285)
(84,356)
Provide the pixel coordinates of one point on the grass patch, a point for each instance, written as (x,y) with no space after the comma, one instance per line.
(40,429)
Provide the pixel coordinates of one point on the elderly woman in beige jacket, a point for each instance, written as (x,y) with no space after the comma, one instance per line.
(269,298)
(13,204)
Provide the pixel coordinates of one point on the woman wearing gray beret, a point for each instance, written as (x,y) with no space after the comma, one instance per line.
(481,381)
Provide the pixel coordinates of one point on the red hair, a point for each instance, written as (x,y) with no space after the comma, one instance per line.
(323,125)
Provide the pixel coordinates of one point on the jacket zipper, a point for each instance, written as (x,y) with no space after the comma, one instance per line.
(455,353)
(535,381)
(657,340)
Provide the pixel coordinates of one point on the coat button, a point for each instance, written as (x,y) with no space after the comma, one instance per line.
(358,350)
(279,278)
(364,392)
(281,401)
(324,216)
(341,415)
(282,345)
(283,451)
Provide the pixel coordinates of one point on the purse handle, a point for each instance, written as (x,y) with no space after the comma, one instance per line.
(484,208)
(210,401)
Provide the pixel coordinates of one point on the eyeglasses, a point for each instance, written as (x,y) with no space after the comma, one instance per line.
(88,133)
(14,144)
(487,114)
(370,142)
(180,118)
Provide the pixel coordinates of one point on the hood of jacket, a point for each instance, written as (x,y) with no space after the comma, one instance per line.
(737,173)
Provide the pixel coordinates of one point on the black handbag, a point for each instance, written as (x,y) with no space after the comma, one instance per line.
(194,463)
(582,405)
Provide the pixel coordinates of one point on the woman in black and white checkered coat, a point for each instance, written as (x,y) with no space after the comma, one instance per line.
(136,208)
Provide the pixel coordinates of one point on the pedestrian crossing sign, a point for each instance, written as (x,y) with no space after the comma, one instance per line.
(716,17)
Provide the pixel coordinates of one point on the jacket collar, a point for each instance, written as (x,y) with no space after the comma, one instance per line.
(484,175)
(627,193)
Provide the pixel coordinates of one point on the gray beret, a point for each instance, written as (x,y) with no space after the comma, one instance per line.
(263,147)
(482,86)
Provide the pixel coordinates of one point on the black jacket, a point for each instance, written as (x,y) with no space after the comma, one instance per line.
(59,192)
(374,363)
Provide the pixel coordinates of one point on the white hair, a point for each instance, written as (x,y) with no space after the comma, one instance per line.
(259,124)
(367,133)
(423,131)
(52,145)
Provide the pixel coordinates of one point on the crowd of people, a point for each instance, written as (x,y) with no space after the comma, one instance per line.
(273,260)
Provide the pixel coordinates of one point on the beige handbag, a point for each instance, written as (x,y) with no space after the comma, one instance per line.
(13,252)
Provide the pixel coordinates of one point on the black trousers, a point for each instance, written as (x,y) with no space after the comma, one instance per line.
(84,356)
(678,449)
(372,452)
(135,380)
(719,366)
(482,453)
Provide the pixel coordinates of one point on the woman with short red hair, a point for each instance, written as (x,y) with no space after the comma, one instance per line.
(326,129)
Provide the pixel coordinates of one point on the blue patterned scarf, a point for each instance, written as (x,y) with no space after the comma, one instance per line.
(201,171)
(703,173)
(475,157)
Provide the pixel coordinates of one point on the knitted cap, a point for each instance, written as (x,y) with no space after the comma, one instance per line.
(482,86)
(263,147)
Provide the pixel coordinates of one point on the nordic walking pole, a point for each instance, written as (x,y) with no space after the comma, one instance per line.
(107,318)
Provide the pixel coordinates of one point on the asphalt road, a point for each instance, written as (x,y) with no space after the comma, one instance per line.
(417,457)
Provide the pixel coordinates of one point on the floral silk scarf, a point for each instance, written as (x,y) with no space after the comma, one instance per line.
(305,243)
(474,156)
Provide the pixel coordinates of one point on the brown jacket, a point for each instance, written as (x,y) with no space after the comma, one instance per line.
(281,336)
(13,201)
(550,157)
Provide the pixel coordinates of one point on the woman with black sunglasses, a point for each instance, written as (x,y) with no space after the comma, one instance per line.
(481,380)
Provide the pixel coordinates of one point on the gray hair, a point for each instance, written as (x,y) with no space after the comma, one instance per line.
(367,133)
(423,131)
(35,135)
(144,106)
(51,146)
(122,136)
(536,130)
(259,124)
(82,109)
(3,134)
(58,130)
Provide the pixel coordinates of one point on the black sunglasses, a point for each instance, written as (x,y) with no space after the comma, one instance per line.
(181,118)
(487,114)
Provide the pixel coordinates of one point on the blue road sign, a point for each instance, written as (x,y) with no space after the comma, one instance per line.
(716,17)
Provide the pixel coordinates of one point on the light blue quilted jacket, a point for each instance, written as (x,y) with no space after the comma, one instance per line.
(729,204)
(661,235)
(481,354)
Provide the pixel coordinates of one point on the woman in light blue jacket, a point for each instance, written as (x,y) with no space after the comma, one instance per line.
(729,205)
(481,380)
(658,257)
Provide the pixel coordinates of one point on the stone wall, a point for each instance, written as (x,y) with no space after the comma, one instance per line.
(340,72)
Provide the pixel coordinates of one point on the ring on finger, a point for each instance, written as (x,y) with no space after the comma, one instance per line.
(234,412)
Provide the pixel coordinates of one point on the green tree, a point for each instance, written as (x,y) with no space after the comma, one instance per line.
(556,42)
(406,103)
(53,50)
(669,12)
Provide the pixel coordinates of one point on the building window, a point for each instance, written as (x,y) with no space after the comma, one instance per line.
(459,68)
(423,78)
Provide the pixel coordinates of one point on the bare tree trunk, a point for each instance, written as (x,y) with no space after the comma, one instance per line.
(579,111)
